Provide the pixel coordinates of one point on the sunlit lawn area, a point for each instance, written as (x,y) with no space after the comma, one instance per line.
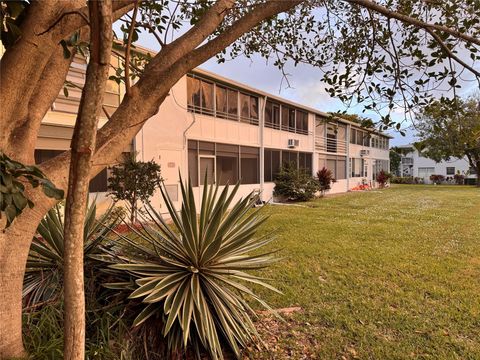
(392,274)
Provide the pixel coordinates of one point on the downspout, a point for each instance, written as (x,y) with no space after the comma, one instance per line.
(262,147)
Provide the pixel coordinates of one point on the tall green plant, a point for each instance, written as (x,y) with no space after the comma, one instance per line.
(43,280)
(192,276)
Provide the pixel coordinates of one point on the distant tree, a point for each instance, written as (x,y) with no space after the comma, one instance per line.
(451,128)
(395,161)
(325,179)
(134,181)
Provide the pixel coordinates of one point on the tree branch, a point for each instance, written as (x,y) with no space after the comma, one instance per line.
(413,21)
(127,49)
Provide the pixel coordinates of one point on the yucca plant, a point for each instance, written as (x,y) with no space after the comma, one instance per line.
(192,276)
(43,282)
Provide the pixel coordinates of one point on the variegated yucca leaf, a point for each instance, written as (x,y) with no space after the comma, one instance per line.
(43,280)
(193,274)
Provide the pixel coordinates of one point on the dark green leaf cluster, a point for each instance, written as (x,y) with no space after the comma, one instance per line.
(295,184)
(43,282)
(13,178)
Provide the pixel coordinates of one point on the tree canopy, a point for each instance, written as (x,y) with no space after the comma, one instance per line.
(451,129)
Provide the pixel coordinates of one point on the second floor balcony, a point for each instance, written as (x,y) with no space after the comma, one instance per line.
(330,145)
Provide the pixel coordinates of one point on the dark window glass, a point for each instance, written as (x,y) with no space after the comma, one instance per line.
(244,106)
(331,165)
(331,138)
(301,161)
(221,101)
(352,136)
(227,164)
(44,155)
(268,114)
(193,90)
(193,166)
(267,169)
(233,104)
(207,166)
(291,120)
(341,169)
(207,97)
(290,157)
(360,135)
(249,160)
(253,107)
(206,148)
(302,122)
(309,163)
(366,139)
(285,117)
(450,171)
(275,163)
(276,115)
(99,183)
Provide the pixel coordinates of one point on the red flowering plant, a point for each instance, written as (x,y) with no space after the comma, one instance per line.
(382,178)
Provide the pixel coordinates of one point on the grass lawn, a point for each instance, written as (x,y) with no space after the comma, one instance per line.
(391,274)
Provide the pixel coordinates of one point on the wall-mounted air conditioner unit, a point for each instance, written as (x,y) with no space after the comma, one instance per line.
(293,143)
(364,152)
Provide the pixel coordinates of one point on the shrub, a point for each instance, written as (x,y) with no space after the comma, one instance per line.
(43,282)
(437,179)
(459,179)
(294,184)
(382,178)
(325,179)
(134,180)
(190,279)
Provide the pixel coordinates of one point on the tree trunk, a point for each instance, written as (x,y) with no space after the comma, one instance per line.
(15,243)
(478,173)
(83,147)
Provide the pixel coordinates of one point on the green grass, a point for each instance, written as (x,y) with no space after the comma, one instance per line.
(391,274)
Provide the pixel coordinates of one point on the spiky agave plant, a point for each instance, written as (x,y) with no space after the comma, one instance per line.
(192,276)
(43,280)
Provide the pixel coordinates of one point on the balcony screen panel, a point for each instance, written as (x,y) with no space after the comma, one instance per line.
(291,119)
(227,167)
(249,160)
(341,133)
(245,106)
(221,101)
(341,169)
(232,104)
(366,139)
(207,166)
(353,134)
(193,166)
(253,107)
(275,163)
(331,165)
(207,97)
(267,165)
(285,112)
(302,122)
(268,114)
(193,90)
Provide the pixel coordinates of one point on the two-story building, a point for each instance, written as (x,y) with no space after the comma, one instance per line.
(231,131)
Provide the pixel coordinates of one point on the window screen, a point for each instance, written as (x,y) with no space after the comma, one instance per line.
(249,160)
(227,164)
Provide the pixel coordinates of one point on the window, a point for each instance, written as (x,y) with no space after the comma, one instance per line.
(232,99)
(271,164)
(353,134)
(366,139)
(272,115)
(336,164)
(379,165)
(98,184)
(360,136)
(273,158)
(222,163)
(450,170)
(221,102)
(200,95)
(227,164)
(291,119)
(356,167)
(285,118)
(302,122)
(250,161)
(249,108)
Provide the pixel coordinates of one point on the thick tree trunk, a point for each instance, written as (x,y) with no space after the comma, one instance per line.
(478,173)
(14,245)
(83,148)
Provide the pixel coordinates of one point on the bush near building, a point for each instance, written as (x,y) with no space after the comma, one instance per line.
(295,184)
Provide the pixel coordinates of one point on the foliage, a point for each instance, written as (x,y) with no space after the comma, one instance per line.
(191,276)
(13,176)
(134,181)
(437,179)
(405,180)
(451,129)
(294,184)
(395,161)
(325,179)
(43,282)
(382,178)
(459,179)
